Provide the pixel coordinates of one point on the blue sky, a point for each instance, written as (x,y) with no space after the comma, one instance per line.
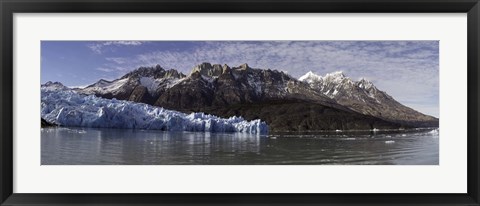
(407,70)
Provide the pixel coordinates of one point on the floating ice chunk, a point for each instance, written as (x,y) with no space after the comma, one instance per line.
(433,132)
(68,108)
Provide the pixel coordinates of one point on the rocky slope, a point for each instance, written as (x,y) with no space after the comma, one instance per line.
(363,97)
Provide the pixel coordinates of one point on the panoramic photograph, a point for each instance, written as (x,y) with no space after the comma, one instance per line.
(239,102)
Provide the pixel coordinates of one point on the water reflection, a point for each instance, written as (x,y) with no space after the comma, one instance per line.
(113,146)
(143,147)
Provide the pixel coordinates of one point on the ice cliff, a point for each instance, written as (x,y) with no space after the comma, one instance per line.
(68,108)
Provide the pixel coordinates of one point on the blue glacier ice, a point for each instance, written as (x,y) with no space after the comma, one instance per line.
(68,108)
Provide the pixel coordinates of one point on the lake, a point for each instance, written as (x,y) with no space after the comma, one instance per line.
(98,146)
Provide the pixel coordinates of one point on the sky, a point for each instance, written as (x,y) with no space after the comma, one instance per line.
(406,70)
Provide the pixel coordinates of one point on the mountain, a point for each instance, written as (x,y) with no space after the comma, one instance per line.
(285,103)
(206,86)
(142,85)
(362,96)
(218,86)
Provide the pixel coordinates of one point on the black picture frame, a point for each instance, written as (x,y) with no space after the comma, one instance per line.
(10,7)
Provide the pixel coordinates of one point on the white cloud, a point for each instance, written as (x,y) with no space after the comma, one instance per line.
(100,46)
(130,43)
(97,48)
(105,69)
(117,60)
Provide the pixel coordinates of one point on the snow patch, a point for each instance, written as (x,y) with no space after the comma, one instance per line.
(173,82)
(335,92)
(116,85)
(150,83)
(104,87)
(310,77)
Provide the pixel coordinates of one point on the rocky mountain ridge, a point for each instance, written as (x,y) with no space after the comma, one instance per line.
(309,103)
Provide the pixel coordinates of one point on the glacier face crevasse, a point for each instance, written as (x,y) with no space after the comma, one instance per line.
(68,108)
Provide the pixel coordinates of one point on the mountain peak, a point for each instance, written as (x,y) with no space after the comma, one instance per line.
(335,75)
(208,69)
(205,65)
(244,66)
(365,84)
(50,83)
(310,77)
(215,70)
(146,72)
(336,79)
(101,83)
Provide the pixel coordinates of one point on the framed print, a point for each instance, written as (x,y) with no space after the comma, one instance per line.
(253,103)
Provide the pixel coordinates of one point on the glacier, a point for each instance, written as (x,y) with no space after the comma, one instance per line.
(68,108)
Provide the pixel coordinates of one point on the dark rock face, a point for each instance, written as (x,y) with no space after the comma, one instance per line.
(189,94)
(285,103)
(140,94)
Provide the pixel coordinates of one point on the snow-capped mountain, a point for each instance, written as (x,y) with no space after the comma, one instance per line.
(142,85)
(219,85)
(206,85)
(68,108)
(285,103)
(362,96)
(336,85)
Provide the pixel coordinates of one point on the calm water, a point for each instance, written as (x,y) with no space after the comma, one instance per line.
(86,146)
